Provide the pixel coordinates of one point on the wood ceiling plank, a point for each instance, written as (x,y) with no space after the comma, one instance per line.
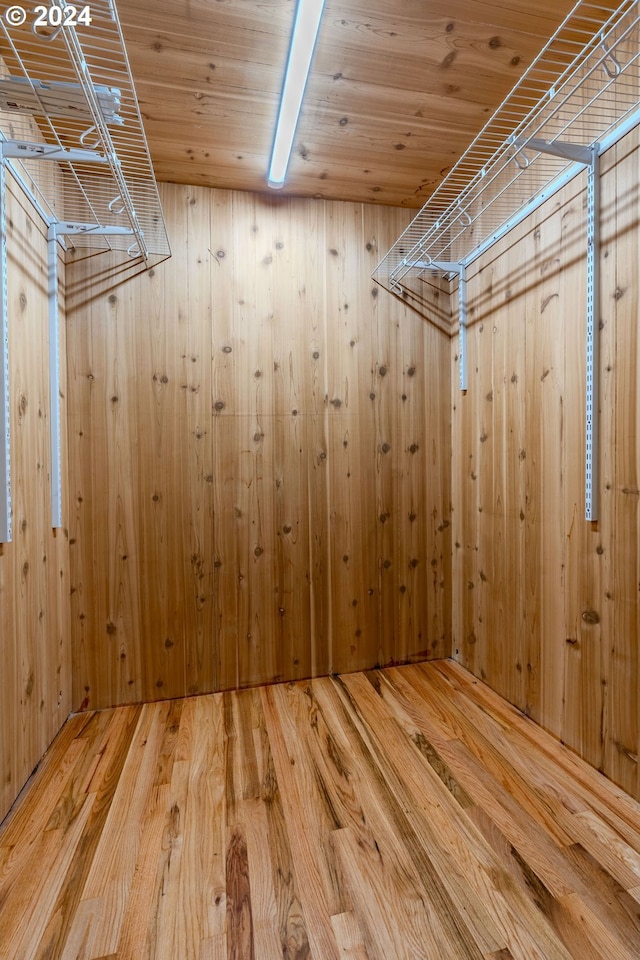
(396,89)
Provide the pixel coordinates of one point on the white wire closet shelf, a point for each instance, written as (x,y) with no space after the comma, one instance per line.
(582,91)
(71,129)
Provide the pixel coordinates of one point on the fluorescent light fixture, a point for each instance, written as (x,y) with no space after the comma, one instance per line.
(303,41)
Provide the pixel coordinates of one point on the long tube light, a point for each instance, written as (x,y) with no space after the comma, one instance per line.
(303,40)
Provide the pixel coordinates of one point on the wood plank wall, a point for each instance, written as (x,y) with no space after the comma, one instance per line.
(35,645)
(545,604)
(260,456)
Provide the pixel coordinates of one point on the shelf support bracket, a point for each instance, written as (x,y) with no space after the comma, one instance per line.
(71,228)
(462,327)
(460,269)
(590,157)
(5,403)
(557,148)
(54,379)
(25,150)
(592,380)
(57,229)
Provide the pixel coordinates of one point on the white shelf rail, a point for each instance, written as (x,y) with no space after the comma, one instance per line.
(5,410)
(579,96)
(71,134)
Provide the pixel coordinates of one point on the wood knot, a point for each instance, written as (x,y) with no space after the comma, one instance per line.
(591,616)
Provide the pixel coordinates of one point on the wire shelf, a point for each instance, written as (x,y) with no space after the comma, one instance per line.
(71,88)
(583,86)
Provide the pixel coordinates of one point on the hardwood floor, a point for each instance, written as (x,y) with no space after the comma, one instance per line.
(402,813)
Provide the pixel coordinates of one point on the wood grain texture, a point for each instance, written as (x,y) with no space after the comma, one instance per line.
(407,812)
(35,680)
(545,604)
(259,456)
(396,92)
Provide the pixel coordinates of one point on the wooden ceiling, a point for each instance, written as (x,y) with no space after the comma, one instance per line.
(399,88)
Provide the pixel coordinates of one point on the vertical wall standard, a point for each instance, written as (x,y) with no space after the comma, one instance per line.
(35,647)
(545,604)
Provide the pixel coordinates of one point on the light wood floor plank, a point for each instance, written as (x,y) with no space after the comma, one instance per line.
(407,813)
(435,815)
(310,864)
(468,926)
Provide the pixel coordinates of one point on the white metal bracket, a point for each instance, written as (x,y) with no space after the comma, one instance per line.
(590,157)
(57,229)
(592,458)
(460,269)
(557,148)
(25,150)
(22,149)
(5,405)
(54,379)
(68,228)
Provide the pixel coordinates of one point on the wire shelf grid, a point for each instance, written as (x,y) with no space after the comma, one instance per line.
(71,87)
(584,84)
